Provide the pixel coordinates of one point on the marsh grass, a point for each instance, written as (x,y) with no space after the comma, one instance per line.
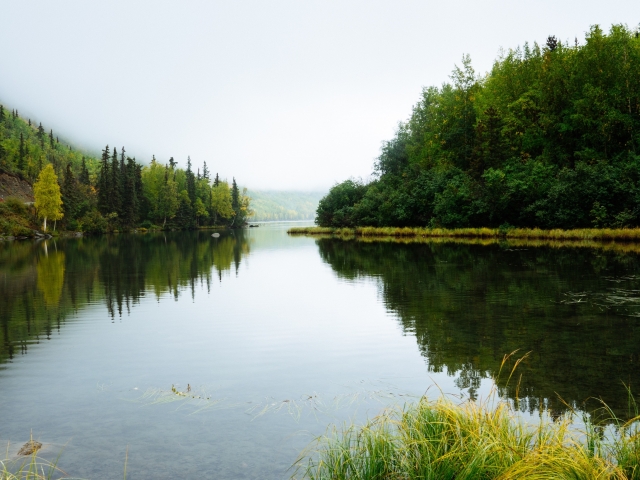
(31,467)
(597,234)
(445,439)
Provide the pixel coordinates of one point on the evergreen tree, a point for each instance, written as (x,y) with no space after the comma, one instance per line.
(142,205)
(235,195)
(129,195)
(84,173)
(191,182)
(21,154)
(122,183)
(205,172)
(216,182)
(41,135)
(168,202)
(70,193)
(1,113)
(51,138)
(29,122)
(172,163)
(103,182)
(114,183)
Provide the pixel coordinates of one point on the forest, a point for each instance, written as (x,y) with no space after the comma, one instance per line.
(548,138)
(79,192)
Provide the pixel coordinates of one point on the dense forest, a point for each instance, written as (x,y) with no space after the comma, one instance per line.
(549,138)
(272,205)
(113,192)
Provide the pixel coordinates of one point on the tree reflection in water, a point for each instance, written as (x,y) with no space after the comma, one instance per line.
(469,305)
(42,283)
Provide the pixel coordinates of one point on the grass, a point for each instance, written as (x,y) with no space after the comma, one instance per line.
(30,467)
(594,234)
(443,439)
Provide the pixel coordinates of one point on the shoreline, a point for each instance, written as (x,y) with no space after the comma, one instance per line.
(590,234)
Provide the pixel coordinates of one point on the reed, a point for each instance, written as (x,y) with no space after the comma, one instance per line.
(31,467)
(595,234)
(444,440)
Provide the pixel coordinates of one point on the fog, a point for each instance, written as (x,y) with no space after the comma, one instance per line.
(280,94)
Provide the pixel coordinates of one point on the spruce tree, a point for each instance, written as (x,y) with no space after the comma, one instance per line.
(122,184)
(114,183)
(21,154)
(172,163)
(205,172)
(1,112)
(130,198)
(51,138)
(103,182)
(70,193)
(84,173)
(29,122)
(191,182)
(216,182)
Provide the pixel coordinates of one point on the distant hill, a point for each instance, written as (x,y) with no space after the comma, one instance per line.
(273,205)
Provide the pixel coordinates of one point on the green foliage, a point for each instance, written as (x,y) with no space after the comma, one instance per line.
(114,192)
(339,206)
(549,139)
(47,194)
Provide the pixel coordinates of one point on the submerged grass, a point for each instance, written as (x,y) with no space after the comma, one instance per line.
(442,439)
(597,234)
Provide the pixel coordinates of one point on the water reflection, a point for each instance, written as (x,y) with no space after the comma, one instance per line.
(469,304)
(42,283)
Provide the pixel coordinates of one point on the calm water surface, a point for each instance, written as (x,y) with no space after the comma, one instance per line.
(224,358)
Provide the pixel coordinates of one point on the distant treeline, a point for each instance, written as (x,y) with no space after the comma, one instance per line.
(271,205)
(115,192)
(550,138)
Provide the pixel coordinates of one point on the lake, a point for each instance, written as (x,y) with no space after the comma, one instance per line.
(198,357)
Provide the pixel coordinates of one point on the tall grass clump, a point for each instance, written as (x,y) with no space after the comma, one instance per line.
(444,440)
(31,467)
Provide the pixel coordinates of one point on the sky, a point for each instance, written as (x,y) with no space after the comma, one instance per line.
(280,94)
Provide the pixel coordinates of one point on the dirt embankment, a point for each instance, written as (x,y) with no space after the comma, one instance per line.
(13,186)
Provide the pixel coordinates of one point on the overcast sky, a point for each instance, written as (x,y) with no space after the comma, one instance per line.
(280,94)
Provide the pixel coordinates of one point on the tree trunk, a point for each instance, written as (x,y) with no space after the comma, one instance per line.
(164,223)
(45,224)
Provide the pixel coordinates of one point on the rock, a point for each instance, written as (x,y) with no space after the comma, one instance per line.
(30,448)
(9,237)
(77,234)
(215,235)
(21,238)
(38,234)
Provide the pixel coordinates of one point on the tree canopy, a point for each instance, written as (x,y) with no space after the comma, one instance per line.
(548,138)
